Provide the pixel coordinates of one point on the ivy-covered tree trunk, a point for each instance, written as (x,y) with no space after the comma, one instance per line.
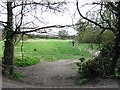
(8,43)
(117,40)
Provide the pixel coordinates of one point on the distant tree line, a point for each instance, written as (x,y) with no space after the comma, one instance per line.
(49,37)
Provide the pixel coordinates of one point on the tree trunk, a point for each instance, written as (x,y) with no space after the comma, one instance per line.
(8,43)
(117,41)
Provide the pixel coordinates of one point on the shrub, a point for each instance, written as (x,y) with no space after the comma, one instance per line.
(100,66)
(118,69)
(17,75)
(27,61)
(87,69)
(82,81)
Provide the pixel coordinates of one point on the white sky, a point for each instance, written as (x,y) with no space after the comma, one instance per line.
(63,18)
(66,18)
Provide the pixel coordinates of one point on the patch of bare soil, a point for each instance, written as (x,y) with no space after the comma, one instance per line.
(61,73)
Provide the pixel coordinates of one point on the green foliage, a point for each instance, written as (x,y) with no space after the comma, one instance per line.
(87,68)
(118,69)
(90,36)
(0,38)
(27,61)
(117,74)
(1,53)
(100,66)
(107,38)
(82,81)
(17,75)
(93,68)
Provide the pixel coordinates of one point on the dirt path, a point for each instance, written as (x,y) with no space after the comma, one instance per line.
(61,73)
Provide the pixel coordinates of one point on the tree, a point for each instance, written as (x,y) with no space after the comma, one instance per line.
(9,45)
(110,21)
(62,34)
(16,24)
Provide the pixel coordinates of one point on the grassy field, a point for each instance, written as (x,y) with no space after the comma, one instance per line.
(50,50)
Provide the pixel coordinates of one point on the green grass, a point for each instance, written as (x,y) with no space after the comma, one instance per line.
(50,50)
(86,46)
(17,75)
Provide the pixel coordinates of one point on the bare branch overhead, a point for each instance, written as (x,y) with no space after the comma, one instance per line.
(50,5)
(94,22)
(37,29)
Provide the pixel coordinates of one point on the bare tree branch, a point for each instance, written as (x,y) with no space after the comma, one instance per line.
(97,24)
(46,27)
(106,20)
(2,23)
(21,19)
(53,6)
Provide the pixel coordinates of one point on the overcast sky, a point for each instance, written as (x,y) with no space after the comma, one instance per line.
(65,18)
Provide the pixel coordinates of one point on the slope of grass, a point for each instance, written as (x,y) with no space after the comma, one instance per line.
(50,50)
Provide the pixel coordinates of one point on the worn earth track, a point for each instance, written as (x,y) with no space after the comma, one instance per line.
(61,73)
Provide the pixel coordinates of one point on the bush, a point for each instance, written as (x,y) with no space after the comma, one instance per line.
(82,81)
(27,61)
(87,69)
(100,66)
(118,69)
(17,75)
